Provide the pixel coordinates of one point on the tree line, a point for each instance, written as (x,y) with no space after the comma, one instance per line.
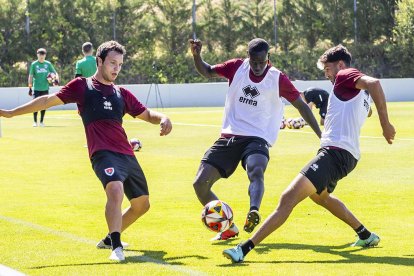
(155,32)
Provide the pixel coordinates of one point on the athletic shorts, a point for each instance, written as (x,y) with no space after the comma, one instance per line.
(226,153)
(323,109)
(37,93)
(329,166)
(112,166)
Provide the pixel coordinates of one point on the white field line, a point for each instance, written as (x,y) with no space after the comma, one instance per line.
(69,236)
(7,271)
(219,126)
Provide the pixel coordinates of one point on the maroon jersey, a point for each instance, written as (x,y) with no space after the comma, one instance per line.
(344,87)
(102,109)
(286,89)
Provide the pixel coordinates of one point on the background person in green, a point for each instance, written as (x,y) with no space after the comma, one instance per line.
(86,67)
(41,74)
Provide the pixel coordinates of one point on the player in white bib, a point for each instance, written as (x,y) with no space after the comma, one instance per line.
(252,115)
(348,108)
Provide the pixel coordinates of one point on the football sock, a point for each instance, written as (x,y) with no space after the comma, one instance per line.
(246,247)
(107,240)
(254,208)
(362,232)
(42,115)
(116,240)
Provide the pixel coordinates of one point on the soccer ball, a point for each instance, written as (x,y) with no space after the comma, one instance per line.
(282,124)
(288,122)
(296,124)
(217,216)
(51,77)
(135,144)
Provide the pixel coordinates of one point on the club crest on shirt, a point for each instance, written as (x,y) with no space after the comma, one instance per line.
(109,171)
(249,92)
(107,105)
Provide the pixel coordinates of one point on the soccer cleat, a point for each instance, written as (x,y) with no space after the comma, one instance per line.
(373,240)
(102,245)
(34,124)
(117,254)
(235,254)
(42,124)
(253,219)
(232,232)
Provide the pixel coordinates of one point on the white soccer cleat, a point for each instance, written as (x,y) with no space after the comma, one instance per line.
(34,124)
(102,245)
(117,254)
(42,125)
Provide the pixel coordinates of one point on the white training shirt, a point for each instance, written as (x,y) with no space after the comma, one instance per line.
(343,122)
(253,109)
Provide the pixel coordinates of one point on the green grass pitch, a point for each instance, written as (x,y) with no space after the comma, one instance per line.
(52,204)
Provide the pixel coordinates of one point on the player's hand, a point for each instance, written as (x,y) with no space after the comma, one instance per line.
(30,92)
(195,46)
(166,126)
(5,113)
(388,131)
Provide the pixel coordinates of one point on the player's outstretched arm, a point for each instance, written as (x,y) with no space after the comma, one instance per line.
(374,88)
(37,104)
(202,67)
(155,117)
(307,114)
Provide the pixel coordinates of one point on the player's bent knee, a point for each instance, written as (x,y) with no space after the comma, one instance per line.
(287,201)
(256,173)
(114,190)
(201,187)
(140,205)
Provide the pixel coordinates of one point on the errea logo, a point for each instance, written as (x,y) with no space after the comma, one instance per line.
(249,92)
(314,167)
(107,105)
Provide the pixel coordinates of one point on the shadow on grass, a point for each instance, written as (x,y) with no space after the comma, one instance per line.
(347,257)
(143,256)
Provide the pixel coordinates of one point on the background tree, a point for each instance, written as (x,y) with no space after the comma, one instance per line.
(155,33)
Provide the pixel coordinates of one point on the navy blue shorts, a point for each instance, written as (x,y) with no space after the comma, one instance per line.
(328,167)
(38,93)
(226,153)
(112,166)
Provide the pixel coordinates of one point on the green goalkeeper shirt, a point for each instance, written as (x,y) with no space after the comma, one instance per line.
(86,67)
(39,71)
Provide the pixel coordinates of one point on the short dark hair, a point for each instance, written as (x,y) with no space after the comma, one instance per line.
(337,53)
(41,51)
(257,45)
(107,47)
(87,47)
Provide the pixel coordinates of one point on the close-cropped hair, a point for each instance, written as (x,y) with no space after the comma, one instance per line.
(334,54)
(258,45)
(87,47)
(107,47)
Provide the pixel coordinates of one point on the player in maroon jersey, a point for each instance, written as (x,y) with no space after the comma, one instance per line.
(102,106)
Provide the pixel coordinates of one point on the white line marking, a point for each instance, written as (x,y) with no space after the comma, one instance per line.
(219,126)
(7,271)
(73,237)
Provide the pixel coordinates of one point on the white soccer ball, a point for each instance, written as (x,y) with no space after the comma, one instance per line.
(302,122)
(217,216)
(51,77)
(135,144)
(288,122)
(282,124)
(296,124)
